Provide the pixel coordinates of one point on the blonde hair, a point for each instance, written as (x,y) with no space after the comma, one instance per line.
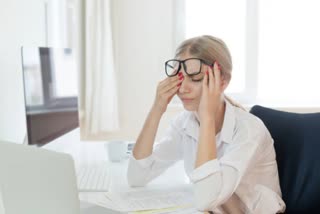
(210,48)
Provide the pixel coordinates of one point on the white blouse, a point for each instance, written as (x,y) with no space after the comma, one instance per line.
(242,179)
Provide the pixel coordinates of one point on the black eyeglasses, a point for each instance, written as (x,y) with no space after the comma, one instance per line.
(192,66)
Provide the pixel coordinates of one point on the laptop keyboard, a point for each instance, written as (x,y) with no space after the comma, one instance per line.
(93,177)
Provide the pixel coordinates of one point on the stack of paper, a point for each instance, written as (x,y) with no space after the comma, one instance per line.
(151,201)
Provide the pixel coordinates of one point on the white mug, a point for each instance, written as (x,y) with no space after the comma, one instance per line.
(117,150)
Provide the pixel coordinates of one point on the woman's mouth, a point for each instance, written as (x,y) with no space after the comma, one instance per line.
(187,100)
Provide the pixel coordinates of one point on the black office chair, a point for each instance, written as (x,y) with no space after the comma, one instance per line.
(297,144)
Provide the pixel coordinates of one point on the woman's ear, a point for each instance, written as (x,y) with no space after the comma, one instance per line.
(224,83)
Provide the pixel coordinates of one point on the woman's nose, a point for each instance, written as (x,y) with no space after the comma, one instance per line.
(185,85)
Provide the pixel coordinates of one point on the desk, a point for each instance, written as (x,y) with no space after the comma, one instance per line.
(93,152)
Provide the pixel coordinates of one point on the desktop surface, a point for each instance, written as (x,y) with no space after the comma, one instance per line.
(87,152)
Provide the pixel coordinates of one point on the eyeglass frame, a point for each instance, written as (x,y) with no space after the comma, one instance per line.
(185,67)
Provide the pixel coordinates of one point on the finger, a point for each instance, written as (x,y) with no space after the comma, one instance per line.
(205,80)
(217,74)
(171,84)
(168,79)
(211,78)
(164,80)
(170,93)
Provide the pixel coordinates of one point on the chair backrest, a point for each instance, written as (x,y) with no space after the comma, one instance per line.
(297,144)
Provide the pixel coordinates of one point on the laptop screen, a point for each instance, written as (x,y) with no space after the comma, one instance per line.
(51,93)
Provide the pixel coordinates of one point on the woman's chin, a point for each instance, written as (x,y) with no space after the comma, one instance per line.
(189,107)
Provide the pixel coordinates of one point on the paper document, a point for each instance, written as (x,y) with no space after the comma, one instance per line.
(150,200)
(172,210)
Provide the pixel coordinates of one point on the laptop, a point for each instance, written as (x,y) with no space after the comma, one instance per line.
(34,180)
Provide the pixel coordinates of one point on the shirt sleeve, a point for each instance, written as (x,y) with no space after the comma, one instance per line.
(224,175)
(165,153)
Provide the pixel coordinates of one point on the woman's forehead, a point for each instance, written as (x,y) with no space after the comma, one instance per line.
(185,56)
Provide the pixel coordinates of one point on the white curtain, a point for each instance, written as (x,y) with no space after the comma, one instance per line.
(98,88)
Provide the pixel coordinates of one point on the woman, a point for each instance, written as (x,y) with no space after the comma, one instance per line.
(228,153)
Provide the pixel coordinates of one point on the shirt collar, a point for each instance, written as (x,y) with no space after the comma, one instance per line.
(191,126)
(229,123)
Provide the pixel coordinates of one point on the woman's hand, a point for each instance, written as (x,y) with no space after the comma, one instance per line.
(166,89)
(211,94)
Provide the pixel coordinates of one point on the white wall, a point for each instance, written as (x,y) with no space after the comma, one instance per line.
(143,36)
(22,23)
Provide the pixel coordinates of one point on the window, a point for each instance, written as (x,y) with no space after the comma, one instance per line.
(60,90)
(50,79)
(65,77)
(274,45)
(289,50)
(61,23)
(209,17)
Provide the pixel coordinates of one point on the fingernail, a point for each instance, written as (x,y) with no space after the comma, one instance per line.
(179,85)
(180,74)
(181,78)
(218,65)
